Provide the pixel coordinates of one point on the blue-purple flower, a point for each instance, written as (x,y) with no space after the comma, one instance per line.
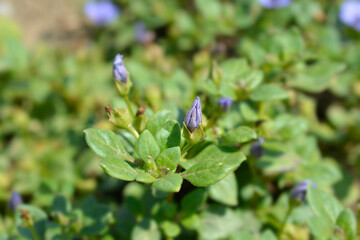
(350,14)
(299,191)
(119,71)
(101,13)
(225,103)
(272,4)
(194,117)
(256,149)
(15,200)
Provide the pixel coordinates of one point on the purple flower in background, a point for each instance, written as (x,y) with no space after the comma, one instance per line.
(142,34)
(194,117)
(350,14)
(101,13)
(299,191)
(15,200)
(256,149)
(119,71)
(225,103)
(274,3)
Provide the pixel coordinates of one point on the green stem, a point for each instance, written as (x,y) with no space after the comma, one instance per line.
(33,233)
(186,148)
(127,101)
(133,130)
(281,230)
(253,169)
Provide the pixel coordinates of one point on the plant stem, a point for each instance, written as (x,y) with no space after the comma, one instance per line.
(186,148)
(291,207)
(33,233)
(133,130)
(127,101)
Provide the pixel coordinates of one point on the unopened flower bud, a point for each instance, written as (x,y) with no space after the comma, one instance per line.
(256,149)
(120,117)
(194,117)
(225,103)
(15,200)
(140,119)
(299,191)
(119,71)
(193,131)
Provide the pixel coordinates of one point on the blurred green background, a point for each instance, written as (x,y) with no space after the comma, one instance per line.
(56,78)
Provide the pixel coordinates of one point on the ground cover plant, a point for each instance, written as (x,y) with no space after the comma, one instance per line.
(202,119)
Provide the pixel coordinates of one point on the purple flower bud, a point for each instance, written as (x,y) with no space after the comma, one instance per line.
(15,200)
(256,149)
(225,103)
(101,13)
(350,14)
(194,117)
(272,4)
(119,71)
(299,191)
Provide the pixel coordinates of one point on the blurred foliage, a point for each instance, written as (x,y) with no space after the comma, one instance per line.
(293,74)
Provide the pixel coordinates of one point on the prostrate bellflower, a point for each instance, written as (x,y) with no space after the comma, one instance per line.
(101,13)
(273,4)
(119,71)
(15,200)
(350,14)
(225,103)
(194,117)
(299,191)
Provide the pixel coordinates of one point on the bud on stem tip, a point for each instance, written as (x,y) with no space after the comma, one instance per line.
(194,117)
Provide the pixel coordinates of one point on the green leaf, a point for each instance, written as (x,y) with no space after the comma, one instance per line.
(320,227)
(40,221)
(218,222)
(118,168)
(211,165)
(169,158)
(267,92)
(225,191)
(146,230)
(193,200)
(105,143)
(157,121)
(347,222)
(168,183)
(169,135)
(323,204)
(146,146)
(317,77)
(170,229)
(96,217)
(60,204)
(268,235)
(145,178)
(240,135)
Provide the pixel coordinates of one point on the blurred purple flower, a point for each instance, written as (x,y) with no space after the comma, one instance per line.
(350,14)
(299,191)
(15,200)
(101,13)
(225,103)
(256,149)
(274,3)
(119,71)
(194,117)
(142,34)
